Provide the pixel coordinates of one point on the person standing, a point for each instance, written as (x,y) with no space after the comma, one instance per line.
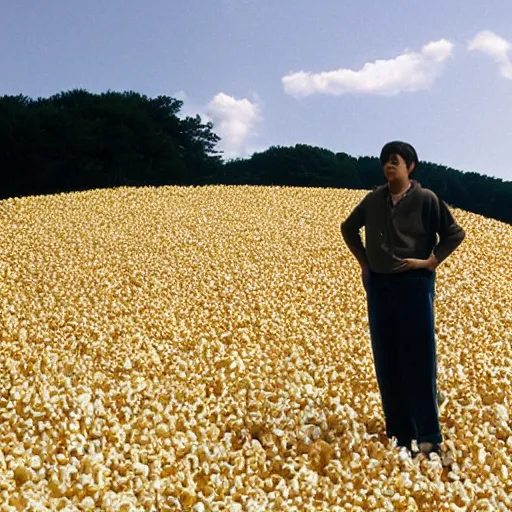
(398,262)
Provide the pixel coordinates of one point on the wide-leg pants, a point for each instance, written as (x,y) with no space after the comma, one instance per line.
(401,319)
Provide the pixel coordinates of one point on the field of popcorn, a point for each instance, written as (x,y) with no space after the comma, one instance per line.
(207,349)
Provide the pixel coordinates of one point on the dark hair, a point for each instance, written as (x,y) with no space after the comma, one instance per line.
(404,149)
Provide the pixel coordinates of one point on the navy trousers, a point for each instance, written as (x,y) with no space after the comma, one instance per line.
(401,318)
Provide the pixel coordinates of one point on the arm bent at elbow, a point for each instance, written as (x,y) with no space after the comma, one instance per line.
(451,234)
(356,247)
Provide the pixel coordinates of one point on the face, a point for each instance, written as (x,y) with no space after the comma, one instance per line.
(395,169)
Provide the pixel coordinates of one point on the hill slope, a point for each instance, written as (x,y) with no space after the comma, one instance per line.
(166,346)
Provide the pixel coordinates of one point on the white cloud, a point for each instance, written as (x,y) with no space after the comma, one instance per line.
(496,47)
(235,122)
(410,71)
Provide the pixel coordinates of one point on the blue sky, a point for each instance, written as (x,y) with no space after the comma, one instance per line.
(344,75)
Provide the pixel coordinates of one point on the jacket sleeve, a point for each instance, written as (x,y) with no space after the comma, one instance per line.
(450,233)
(350,230)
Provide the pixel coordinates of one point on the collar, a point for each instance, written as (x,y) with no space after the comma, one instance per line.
(413,184)
(392,202)
(383,190)
(409,187)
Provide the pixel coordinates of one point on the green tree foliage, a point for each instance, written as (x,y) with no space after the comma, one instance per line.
(304,166)
(77,140)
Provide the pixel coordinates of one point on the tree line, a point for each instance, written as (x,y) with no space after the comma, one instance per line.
(77,140)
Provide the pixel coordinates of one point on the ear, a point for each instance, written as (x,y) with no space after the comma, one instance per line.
(411,168)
